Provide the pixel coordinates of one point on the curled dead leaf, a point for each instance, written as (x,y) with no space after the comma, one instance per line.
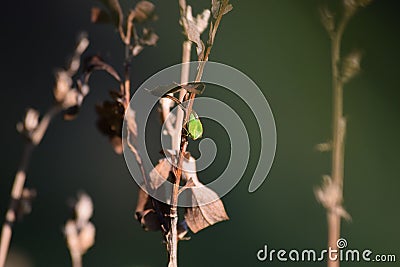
(94,63)
(200,217)
(151,213)
(206,209)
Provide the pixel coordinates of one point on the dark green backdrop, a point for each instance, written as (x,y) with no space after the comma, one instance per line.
(282,46)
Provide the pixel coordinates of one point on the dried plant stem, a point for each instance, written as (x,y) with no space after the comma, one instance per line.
(76,259)
(176,136)
(339,128)
(186,50)
(19,181)
(203,58)
(127,84)
(173,238)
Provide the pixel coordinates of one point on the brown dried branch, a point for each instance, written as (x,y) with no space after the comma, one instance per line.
(34,130)
(203,55)
(330,195)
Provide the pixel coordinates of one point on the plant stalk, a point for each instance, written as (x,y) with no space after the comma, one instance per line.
(19,181)
(76,259)
(176,141)
(338,130)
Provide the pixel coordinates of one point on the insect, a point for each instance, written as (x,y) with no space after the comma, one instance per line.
(193,127)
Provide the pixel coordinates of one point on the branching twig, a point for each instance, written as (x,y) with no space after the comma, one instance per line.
(19,180)
(339,125)
(331,193)
(173,236)
(34,130)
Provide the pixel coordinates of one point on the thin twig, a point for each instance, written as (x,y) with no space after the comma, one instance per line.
(19,180)
(76,259)
(338,133)
(173,238)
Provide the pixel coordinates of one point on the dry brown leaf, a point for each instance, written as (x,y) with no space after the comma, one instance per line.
(145,213)
(94,63)
(160,173)
(201,215)
(192,31)
(150,217)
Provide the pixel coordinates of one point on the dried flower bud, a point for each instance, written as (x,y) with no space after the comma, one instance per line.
(31,119)
(144,10)
(351,66)
(63,85)
(83,208)
(80,233)
(30,123)
(72,98)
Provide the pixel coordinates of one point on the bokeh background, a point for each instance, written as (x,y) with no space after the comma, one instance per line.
(282,46)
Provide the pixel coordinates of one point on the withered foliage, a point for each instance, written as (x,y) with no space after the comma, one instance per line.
(135,33)
(111,112)
(141,14)
(90,65)
(110,120)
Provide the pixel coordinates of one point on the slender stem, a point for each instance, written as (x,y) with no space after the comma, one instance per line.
(173,238)
(127,84)
(186,50)
(338,130)
(19,181)
(76,259)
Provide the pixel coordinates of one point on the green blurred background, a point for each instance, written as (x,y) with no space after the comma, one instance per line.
(282,46)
